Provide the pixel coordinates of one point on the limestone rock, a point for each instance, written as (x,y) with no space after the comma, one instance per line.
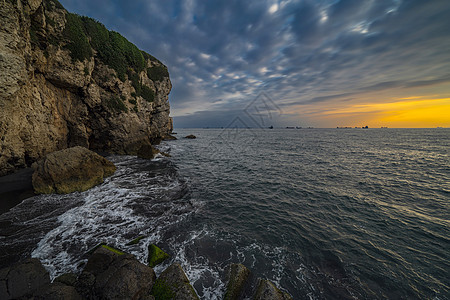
(22,279)
(50,101)
(156,255)
(237,277)
(173,284)
(268,291)
(69,170)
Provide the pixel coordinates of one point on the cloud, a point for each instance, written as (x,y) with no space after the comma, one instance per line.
(297,51)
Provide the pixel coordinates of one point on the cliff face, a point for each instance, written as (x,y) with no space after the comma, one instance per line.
(67,81)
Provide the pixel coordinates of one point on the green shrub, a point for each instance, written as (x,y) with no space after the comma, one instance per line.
(157,73)
(132,101)
(79,46)
(116,104)
(147,93)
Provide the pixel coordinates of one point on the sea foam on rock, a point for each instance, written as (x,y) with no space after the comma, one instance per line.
(70,170)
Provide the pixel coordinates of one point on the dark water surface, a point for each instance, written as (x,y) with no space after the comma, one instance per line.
(323,213)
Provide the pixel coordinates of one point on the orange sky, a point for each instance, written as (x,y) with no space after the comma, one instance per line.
(420,108)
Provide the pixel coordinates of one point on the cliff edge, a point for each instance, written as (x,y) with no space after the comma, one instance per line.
(65,81)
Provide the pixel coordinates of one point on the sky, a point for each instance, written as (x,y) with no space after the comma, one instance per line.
(322,63)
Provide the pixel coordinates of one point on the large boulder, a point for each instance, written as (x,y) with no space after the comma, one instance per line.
(70,170)
(22,279)
(237,277)
(110,274)
(173,284)
(268,291)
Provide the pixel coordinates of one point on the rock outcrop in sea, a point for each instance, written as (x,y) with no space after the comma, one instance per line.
(65,81)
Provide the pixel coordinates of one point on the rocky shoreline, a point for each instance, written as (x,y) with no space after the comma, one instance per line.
(112,274)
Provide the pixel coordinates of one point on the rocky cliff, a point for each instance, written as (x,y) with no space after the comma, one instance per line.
(66,81)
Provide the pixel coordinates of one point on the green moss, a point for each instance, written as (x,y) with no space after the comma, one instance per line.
(157,73)
(135,241)
(116,104)
(112,249)
(78,43)
(86,71)
(162,291)
(156,255)
(147,93)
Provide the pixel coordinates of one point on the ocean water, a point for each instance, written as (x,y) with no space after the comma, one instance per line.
(323,213)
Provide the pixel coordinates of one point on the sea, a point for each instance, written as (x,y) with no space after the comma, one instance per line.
(322,213)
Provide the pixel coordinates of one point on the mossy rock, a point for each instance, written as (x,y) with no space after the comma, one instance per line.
(173,284)
(135,241)
(156,255)
(162,291)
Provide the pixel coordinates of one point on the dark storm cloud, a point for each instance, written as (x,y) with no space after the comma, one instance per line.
(296,51)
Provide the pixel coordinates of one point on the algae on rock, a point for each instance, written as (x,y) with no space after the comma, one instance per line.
(156,255)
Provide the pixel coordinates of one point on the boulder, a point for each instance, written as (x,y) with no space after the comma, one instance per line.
(112,274)
(173,284)
(67,279)
(268,291)
(169,137)
(237,277)
(70,170)
(57,291)
(22,279)
(156,255)
(191,136)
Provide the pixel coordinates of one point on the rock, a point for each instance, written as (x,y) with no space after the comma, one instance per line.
(67,279)
(112,274)
(237,277)
(173,284)
(156,255)
(135,241)
(191,136)
(70,170)
(57,291)
(50,101)
(22,279)
(268,291)
(169,137)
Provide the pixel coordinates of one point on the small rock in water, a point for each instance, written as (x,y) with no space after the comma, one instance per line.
(191,136)
(156,255)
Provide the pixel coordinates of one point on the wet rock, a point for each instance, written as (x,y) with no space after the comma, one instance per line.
(173,284)
(112,274)
(237,277)
(70,170)
(156,255)
(268,291)
(135,241)
(22,279)
(169,137)
(67,279)
(191,136)
(57,291)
